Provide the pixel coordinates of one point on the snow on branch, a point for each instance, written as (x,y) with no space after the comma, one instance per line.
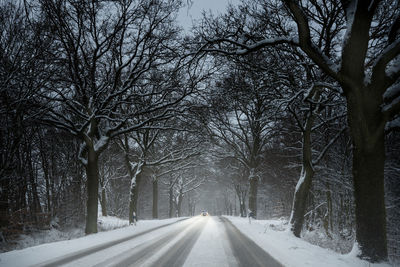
(306,43)
(244,49)
(384,59)
(393,125)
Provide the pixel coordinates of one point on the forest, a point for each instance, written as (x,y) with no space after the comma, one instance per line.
(278,108)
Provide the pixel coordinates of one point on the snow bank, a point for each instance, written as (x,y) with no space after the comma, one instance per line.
(274,237)
(45,252)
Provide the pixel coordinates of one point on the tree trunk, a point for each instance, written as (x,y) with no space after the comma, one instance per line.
(4,206)
(330,208)
(155,199)
(133,201)
(300,200)
(103,201)
(190,206)
(242,207)
(92,174)
(241,197)
(180,199)
(48,197)
(367,129)
(45,168)
(193,208)
(171,202)
(253,195)
(307,172)
(35,204)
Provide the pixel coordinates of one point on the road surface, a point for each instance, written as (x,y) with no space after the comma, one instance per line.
(199,241)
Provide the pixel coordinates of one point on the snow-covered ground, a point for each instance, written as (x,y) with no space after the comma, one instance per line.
(274,237)
(211,247)
(105,223)
(38,254)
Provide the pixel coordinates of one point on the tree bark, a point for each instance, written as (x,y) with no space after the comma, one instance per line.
(367,129)
(253,195)
(155,199)
(92,174)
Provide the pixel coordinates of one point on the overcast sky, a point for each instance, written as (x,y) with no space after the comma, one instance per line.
(194,12)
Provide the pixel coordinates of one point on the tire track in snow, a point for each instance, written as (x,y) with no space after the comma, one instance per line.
(86,252)
(246,252)
(177,255)
(170,249)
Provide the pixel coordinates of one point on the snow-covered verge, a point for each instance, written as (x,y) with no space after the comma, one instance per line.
(37,254)
(41,237)
(274,237)
(318,236)
(105,223)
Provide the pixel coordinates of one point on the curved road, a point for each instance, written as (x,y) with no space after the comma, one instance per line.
(199,241)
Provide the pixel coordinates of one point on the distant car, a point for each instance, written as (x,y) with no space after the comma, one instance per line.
(204,213)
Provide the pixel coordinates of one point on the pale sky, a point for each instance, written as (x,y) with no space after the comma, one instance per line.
(186,16)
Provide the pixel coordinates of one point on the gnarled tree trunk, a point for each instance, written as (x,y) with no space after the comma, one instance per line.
(368,136)
(304,184)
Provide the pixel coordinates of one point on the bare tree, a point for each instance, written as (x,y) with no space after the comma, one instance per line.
(367,70)
(241,122)
(105,48)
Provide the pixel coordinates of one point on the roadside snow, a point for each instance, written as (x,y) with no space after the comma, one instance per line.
(42,237)
(45,252)
(274,237)
(105,223)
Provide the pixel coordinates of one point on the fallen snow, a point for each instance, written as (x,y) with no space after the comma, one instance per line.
(42,237)
(273,236)
(45,252)
(105,223)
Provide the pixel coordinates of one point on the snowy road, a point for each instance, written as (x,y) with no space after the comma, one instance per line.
(198,241)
